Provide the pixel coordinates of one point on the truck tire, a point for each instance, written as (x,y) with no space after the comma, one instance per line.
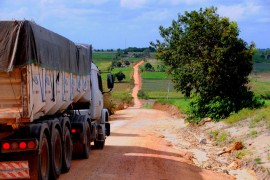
(99,144)
(86,145)
(44,159)
(67,150)
(56,151)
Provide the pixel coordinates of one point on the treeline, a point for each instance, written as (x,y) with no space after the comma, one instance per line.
(129,49)
(262,55)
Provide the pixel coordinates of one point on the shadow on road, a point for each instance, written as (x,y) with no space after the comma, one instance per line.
(125,135)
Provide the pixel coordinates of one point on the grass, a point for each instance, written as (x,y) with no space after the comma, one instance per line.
(240,154)
(255,115)
(155,75)
(220,137)
(133,59)
(258,161)
(103,59)
(241,115)
(103,55)
(158,85)
(253,133)
(182,104)
(147,106)
(261,67)
(260,87)
(126,70)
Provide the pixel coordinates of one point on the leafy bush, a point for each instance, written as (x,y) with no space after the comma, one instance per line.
(142,94)
(109,103)
(161,68)
(127,63)
(120,76)
(221,107)
(119,64)
(148,67)
(266,96)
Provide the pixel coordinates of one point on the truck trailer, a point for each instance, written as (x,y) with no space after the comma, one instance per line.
(51,102)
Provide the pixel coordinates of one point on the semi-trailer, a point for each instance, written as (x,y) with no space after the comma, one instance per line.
(51,102)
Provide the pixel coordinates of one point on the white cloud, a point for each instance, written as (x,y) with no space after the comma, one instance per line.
(133,4)
(239,11)
(155,15)
(188,2)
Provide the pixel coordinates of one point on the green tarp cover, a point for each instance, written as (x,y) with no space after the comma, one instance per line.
(24,42)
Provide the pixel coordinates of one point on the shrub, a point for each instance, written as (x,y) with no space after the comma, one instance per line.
(142,95)
(109,104)
(220,107)
(148,67)
(127,63)
(120,76)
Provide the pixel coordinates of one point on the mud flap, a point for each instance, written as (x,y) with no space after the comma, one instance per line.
(14,170)
(107,129)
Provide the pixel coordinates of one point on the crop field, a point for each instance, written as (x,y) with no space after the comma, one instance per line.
(103,60)
(155,75)
(260,84)
(261,67)
(122,90)
(103,55)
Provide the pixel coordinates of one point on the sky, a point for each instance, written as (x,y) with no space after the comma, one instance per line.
(113,24)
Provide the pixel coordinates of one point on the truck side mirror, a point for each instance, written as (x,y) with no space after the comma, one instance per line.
(110,81)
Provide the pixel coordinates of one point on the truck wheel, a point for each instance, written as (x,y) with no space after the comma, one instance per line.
(56,154)
(67,150)
(44,159)
(86,146)
(99,144)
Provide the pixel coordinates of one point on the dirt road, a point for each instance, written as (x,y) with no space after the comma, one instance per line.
(136,150)
(137,85)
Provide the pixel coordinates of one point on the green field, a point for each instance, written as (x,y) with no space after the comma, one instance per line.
(103,60)
(158,86)
(261,67)
(154,75)
(121,93)
(103,55)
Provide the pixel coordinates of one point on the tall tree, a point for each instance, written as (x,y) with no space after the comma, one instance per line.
(207,59)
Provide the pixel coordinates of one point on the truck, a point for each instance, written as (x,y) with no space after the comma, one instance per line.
(51,102)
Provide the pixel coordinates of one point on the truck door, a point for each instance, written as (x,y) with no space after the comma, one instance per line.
(97,97)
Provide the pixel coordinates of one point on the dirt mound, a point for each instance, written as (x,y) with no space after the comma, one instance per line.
(174,111)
